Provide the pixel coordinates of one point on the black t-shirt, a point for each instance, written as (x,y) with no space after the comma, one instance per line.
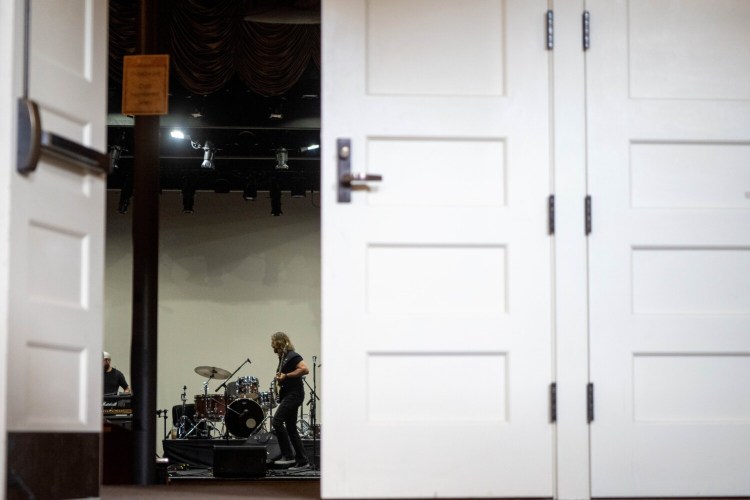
(291,385)
(113,380)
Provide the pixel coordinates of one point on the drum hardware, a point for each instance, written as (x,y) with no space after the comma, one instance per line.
(314,426)
(226,390)
(208,407)
(160,414)
(182,426)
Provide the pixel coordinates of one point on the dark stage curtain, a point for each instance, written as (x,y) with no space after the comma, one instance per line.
(210,42)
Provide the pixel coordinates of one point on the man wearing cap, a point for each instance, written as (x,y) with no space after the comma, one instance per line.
(113,378)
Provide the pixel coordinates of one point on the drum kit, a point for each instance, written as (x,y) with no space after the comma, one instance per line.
(242,410)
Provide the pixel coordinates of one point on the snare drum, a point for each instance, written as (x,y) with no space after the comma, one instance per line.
(247,387)
(210,406)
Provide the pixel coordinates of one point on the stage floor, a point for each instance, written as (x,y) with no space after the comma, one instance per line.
(194,458)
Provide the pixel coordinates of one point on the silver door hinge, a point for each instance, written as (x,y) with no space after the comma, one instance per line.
(551,214)
(553,402)
(586,30)
(587,214)
(550,30)
(590,402)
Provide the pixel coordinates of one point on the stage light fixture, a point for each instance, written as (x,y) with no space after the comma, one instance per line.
(311,147)
(115,151)
(276,201)
(208,155)
(125,194)
(277,112)
(250,192)
(179,134)
(124,203)
(188,196)
(282,155)
(114,156)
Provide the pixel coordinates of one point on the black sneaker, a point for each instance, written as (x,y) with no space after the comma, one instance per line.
(284,461)
(301,466)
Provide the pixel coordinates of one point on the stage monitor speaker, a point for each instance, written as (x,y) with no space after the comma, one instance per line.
(239,461)
(269,441)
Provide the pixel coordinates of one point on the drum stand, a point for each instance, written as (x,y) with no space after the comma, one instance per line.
(226,394)
(203,420)
(181,432)
(313,410)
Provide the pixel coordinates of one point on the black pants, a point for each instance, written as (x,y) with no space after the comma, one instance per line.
(285,425)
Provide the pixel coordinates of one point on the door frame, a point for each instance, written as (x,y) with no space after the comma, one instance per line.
(11,44)
(570,267)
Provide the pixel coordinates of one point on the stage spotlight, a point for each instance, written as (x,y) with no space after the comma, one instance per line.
(276,201)
(114,157)
(281,157)
(188,197)
(122,206)
(277,112)
(125,193)
(208,155)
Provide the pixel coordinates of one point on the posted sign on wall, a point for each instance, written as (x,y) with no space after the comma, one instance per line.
(145,85)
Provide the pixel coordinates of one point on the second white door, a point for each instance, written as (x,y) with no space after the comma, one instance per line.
(669,173)
(436,281)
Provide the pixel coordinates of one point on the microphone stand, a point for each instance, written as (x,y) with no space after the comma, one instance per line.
(313,410)
(226,395)
(160,414)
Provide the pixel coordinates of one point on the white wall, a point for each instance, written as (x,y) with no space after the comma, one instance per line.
(230,275)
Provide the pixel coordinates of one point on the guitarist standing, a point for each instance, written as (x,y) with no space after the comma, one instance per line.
(291,393)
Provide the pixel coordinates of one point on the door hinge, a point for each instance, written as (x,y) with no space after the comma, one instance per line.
(551,214)
(550,30)
(553,402)
(590,402)
(586,30)
(587,215)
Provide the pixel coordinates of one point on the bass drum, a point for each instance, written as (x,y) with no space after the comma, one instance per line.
(243,417)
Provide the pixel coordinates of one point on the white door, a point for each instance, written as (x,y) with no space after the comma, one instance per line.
(668,93)
(436,281)
(56,233)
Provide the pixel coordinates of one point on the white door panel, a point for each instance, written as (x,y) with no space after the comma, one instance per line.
(57,230)
(668,134)
(79,65)
(436,281)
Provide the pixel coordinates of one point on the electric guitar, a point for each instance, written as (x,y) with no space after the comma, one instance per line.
(276,381)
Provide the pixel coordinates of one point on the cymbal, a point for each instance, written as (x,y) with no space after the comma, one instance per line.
(208,371)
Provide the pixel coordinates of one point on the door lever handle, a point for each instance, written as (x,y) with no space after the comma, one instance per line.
(360,177)
(346,176)
(33,141)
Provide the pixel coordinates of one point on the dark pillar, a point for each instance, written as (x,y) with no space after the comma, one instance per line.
(145,269)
